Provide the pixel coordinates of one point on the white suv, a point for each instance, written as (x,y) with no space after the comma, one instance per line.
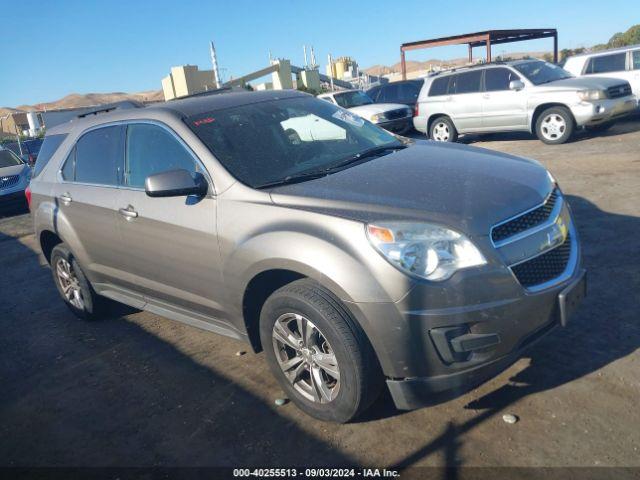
(622,63)
(523,95)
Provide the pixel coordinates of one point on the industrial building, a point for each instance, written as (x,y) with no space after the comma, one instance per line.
(14,123)
(188,79)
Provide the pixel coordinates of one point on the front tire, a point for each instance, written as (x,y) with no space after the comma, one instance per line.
(555,125)
(319,356)
(73,286)
(442,129)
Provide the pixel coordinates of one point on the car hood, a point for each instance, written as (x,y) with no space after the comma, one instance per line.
(583,83)
(13,170)
(366,111)
(466,188)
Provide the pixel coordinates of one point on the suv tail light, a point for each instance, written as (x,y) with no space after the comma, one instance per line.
(416,110)
(27,193)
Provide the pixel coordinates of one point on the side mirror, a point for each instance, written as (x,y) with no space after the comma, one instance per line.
(516,85)
(176,183)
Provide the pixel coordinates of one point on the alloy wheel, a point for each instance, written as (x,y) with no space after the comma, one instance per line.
(441,132)
(69,283)
(306,358)
(553,126)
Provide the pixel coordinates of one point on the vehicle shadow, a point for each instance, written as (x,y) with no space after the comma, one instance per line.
(621,127)
(127,391)
(624,126)
(603,330)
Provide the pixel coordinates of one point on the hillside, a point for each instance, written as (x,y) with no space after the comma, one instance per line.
(413,65)
(75,100)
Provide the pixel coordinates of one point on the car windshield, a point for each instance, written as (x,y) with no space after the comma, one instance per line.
(9,159)
(352,99)
(268,142)
(539,72)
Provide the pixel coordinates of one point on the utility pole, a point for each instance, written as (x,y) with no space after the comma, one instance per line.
(330,70)
(214,62)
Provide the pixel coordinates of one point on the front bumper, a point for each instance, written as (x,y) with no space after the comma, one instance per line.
(410,393)
(399,125)
(600,111)
(13,199)
(445,338)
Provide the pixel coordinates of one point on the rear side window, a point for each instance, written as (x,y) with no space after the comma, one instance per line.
(468,82)
(48,148)
(439,87)
(390,93)
(409,92)
(498,79)
(152,149)
(635,60)
(374,93)
(99,156)
(607,63)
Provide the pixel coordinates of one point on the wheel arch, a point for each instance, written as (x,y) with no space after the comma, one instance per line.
(541,108)
(432,118)
(48,241)
(256,292)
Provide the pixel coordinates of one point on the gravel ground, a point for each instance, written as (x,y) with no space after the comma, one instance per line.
(138,389)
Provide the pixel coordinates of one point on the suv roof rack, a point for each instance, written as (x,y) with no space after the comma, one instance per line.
(126,104)
(462,67)
(215,91)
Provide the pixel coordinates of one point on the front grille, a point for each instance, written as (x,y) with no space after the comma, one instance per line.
(526,221)
(9,181)
(544,267)
(621,90)
(399,113)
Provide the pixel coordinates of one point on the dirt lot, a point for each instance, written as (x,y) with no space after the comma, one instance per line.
(138,389)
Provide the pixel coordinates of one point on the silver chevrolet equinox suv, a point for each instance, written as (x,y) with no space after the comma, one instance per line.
(349,257)
(522,95)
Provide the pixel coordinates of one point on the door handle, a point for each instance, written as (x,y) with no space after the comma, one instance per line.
(486,96)
(66,198)
(128,212)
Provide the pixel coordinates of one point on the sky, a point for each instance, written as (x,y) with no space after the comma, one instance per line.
(53,48)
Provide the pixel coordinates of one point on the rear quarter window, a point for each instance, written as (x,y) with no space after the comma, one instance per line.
(439,86)
(607,63)
(49,146)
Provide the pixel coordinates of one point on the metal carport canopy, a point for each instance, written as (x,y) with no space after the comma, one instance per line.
(478,39)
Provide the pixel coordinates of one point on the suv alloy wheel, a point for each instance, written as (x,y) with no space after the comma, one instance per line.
(321,359)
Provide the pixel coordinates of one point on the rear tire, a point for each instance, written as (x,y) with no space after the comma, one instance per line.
(555,125)
(442,129)
(73,286)
(319,356)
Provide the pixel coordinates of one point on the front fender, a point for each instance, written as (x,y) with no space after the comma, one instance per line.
(346,265)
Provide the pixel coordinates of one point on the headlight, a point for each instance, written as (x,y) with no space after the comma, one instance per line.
(424,250)
(592,95)
(378,117)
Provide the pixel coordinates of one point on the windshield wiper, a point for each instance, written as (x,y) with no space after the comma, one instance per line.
(300,177)
(304,176)
(372,152)
(553,80)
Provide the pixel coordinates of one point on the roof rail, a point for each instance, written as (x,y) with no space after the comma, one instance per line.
(215,91)
(125,104)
